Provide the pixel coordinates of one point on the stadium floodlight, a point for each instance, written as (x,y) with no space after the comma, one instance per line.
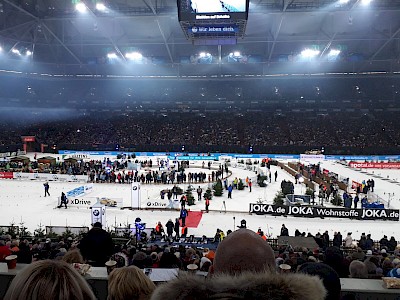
(101,7)
(134,55)
(204,54)
(334,52)
(16,51)
(309,53)
(366,2)
(81,7)
(112,55)
(28,53)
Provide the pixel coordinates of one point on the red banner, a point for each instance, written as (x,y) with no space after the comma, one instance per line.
(7,175)
(355,184)
(374,165)
(28,139)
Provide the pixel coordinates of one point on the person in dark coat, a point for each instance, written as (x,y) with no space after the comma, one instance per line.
(337,240)
(284,231)
(63,201)
(183,214)
(170,227)
(176,228)
(97,246)
(46,188)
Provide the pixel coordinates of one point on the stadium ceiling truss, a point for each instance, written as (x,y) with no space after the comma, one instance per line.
(277,31)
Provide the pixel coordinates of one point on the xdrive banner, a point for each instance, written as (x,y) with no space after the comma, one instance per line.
(328,212)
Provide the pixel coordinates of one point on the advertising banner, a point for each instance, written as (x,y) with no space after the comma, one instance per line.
(374,165)
(328,212)
(163,203)
(6,175)
(80,191)
(49,177)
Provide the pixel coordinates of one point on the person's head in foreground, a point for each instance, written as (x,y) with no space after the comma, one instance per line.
(243,250)
(328,276)
(243,268)
(50,280)
(129,283)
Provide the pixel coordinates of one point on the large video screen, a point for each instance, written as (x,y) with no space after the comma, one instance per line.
(212,9)
(217,6)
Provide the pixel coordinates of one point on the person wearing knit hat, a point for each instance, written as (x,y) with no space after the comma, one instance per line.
(243,250)
(328,276)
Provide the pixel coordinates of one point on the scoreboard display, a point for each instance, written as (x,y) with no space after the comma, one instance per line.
(213,19)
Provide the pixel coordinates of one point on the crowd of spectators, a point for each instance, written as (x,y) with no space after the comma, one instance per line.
(240,256)
(256,129)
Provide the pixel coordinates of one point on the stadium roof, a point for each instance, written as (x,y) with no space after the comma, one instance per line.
(54,36)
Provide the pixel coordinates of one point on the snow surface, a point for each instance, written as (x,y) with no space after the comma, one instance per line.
(24,201)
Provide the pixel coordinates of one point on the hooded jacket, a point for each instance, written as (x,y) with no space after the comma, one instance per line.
(249,286)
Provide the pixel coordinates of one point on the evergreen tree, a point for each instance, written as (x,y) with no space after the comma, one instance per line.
(278,200)
(218,190)
(208,194)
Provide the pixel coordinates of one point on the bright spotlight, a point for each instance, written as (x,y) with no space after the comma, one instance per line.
(204,54)
(334,52)
(16,51)
(134,55)
(309,53)
(236,54)
(1,49)
(366,2)
(343,1)
(112,55)
(28,53)
(101,7)
(81,7)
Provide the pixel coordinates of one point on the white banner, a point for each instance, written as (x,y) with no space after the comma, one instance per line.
(135,195)
(317,157)
(50,177)
(79,202)
(163,203)
(80,190)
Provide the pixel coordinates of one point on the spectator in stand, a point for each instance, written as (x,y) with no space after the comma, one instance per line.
(73,256)
(358,269)
(4,251)
(369,243)
(50,280)
(129,283)
(348,241)
(243,267)
(337,240)
(334,258)
(328,275)
(284,230)
(97,246)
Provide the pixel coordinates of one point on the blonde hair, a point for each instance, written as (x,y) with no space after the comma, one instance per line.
(50,280)
(73,256)
(129,283)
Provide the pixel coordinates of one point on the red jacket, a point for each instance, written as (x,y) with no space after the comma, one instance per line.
(4,252)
